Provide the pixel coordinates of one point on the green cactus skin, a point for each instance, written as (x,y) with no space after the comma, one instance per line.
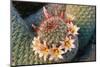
(56,33)
(21,39)
(85,19)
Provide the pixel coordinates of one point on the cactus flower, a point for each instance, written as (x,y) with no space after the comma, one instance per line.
(56,53)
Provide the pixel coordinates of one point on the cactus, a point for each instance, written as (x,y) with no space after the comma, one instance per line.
(21,38)
(55,35)
(22,35)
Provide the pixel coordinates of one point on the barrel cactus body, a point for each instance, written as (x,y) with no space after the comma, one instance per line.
(55,36)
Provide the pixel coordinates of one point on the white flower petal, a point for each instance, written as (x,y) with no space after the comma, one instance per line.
(60,56)
(61,47)
(38,37)
(35,38)
(66,49)
(45,57)
(62,52)
(72,40)
(35,52)
(44,42)
(73,46)
(34,49)
(40,55)
(62,42)
(33,42)
(51,58)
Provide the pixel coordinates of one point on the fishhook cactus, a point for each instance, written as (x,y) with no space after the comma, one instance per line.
(54,36)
